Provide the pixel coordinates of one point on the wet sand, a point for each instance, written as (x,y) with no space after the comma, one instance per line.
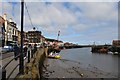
(62,68)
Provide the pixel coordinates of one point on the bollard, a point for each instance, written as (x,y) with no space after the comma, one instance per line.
(3,74)
(28,56)
(32,53)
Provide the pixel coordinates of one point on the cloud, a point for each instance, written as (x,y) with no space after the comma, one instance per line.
(52,15)
(100,36)
(0,8)
(63,0)
(6,8)
(99,11)
(86,21)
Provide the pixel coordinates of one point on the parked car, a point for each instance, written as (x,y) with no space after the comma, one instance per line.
(8,49)
(3,50)
(0,50)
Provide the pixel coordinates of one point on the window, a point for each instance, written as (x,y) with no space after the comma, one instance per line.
(13,31)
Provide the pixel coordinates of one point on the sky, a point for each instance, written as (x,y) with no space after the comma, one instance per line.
(79,22)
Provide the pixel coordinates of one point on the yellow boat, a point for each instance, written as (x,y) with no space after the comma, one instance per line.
(55,56)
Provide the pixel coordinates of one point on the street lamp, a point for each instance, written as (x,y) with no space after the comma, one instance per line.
(58,35)
(34,28)
(34,34)
(21,61)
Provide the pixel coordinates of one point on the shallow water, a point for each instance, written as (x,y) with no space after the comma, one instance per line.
(105,62)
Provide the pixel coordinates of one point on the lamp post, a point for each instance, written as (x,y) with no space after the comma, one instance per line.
(34,34)
(58,35)
(21,61)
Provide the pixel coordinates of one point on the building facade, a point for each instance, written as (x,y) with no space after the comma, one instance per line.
(19,37)
(116,43)
(2,32)
(25,38)
(34,36)
(11,31)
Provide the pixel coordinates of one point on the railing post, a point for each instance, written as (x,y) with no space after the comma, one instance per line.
(3,74)
(28,56)
(32,53)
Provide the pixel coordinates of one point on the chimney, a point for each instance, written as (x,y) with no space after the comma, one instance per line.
(10,20)
(5,16)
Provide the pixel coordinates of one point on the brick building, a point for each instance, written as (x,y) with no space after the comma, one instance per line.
(34,36)
(116,43)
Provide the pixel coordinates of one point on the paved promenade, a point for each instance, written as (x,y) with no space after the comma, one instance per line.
(5,59)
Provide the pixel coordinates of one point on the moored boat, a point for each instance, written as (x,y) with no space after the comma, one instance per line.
(54,55)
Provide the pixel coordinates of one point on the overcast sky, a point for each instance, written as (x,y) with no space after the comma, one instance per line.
(78,22)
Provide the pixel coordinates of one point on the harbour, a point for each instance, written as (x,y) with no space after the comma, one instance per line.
(82,59)
(59,40)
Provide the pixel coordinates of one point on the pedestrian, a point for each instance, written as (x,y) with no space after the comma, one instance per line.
(29,48)
(29,52)
(25,51)
(32,51)
(16,52)
(35,48)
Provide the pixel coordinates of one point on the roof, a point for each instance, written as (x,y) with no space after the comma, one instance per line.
(48,39)
(34,31)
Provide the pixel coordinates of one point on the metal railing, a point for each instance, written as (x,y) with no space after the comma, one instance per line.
(4,77)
